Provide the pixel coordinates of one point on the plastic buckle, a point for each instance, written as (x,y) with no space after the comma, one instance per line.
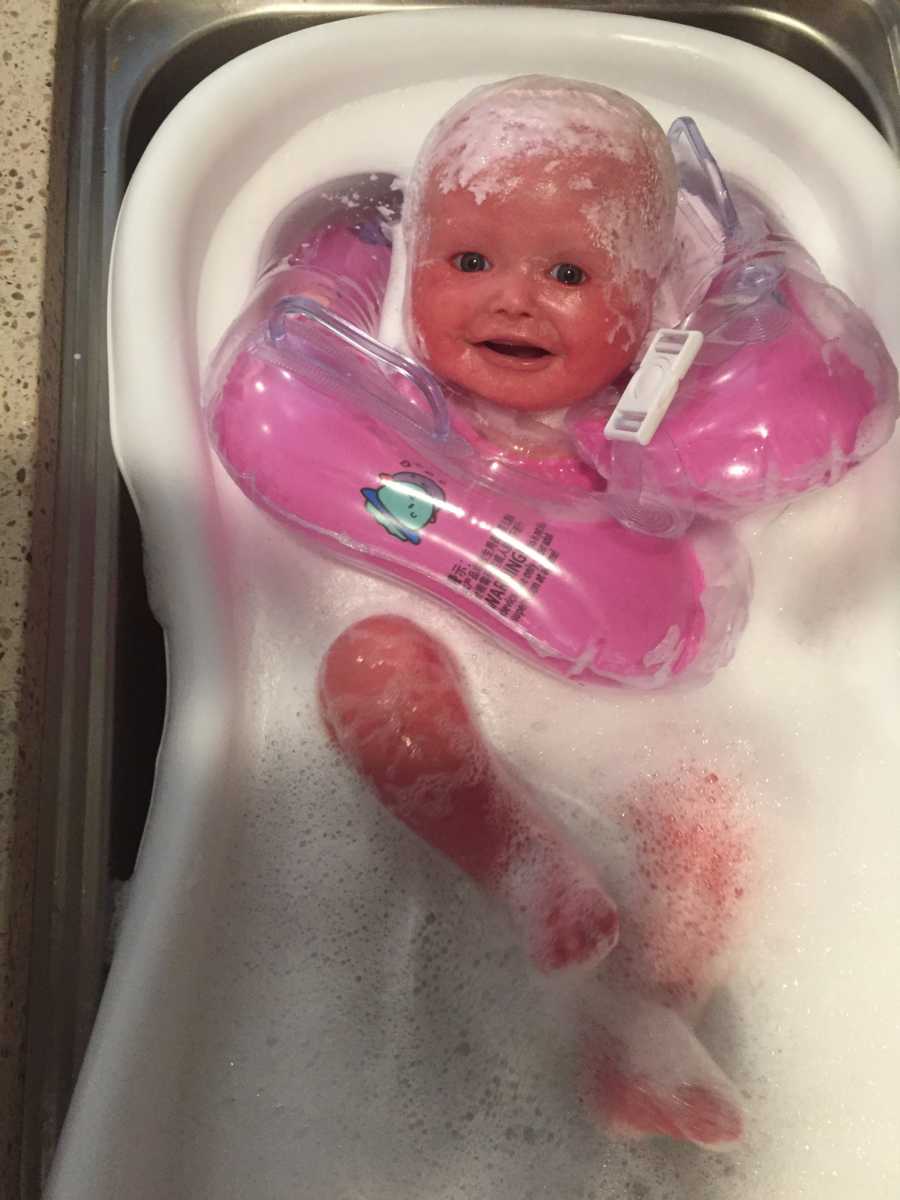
(652,387)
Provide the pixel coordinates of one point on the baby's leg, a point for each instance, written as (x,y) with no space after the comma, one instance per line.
(646,1072)
(392,700)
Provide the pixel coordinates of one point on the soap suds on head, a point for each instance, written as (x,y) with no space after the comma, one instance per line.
(534,116)
(537,116)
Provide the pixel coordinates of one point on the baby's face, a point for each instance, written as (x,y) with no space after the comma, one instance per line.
(522,298)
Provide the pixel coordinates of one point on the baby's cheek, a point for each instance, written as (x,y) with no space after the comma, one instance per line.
(428,308)
(438,319)
(601,341)
(623,321)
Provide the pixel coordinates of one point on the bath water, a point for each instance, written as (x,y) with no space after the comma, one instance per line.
(367,1025)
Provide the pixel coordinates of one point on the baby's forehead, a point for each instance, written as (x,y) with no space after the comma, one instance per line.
(569,183)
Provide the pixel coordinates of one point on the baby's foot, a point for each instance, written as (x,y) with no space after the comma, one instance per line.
(646,1074)
(392,700)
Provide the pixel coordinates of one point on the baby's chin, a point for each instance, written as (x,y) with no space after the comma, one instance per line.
(525,399)
(525,404)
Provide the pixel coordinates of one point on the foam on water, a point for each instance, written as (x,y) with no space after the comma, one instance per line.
(367,1024)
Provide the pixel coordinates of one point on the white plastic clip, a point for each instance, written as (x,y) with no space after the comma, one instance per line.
(652,387)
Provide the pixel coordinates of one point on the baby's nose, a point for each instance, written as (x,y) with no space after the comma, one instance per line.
(513,295)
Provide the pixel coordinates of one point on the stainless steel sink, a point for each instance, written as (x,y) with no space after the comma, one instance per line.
(135,59)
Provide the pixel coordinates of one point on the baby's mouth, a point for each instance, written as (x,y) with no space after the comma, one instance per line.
(519,350)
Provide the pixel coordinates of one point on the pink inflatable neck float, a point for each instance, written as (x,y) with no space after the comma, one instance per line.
(369,455)
(790,388)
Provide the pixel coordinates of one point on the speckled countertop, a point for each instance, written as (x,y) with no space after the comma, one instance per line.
(32,136)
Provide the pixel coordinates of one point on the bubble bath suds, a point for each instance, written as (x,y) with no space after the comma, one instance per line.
(368,1025)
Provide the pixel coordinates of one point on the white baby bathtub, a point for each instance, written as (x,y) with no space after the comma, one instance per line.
(279,1021)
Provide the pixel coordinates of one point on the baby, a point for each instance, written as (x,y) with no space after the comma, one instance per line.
(538,220)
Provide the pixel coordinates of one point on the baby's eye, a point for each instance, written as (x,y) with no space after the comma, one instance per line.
(470,261)
(568,274)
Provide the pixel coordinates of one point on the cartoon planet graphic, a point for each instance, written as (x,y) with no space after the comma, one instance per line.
(404,504)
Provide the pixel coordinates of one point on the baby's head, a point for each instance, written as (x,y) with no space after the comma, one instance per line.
(538,221)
